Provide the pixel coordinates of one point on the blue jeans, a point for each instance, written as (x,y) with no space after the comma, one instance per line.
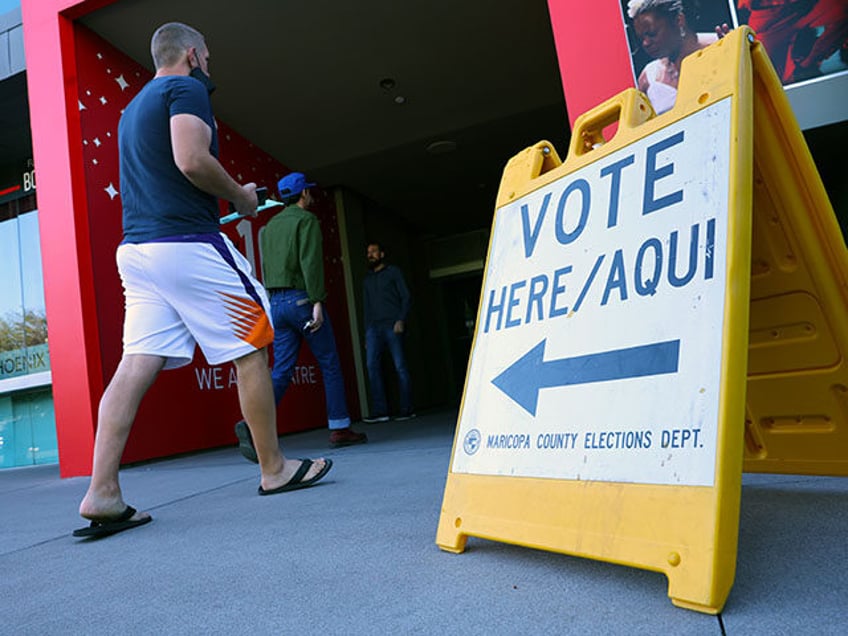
(290,309)
(377,338)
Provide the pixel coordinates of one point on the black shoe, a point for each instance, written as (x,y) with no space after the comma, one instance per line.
(375,419)
(401,418)
(246,442)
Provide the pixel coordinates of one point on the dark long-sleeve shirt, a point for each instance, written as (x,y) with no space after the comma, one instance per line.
(292,254)
(386,297)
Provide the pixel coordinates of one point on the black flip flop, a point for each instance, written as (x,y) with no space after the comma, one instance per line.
(297,481)
(245,442)
(100,529)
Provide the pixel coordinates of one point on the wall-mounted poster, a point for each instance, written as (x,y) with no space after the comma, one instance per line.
(806,40)
(663,32)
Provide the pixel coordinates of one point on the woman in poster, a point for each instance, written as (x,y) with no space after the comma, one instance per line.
(662,28)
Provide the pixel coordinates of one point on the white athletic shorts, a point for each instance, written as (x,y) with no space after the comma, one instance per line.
(192,290)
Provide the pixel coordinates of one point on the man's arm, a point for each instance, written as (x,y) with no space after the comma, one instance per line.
(190,141)
(405,301)
(366,302)
(403,292)
(312,260)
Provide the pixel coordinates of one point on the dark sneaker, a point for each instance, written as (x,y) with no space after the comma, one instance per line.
(408,416)
(346,437)
(246,442)
(374,419)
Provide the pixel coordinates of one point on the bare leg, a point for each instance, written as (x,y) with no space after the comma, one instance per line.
(256,397)
(118,408)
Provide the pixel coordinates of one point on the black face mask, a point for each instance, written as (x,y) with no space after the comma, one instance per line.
(203,78)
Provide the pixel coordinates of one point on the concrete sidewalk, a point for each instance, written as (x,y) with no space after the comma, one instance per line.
(356,555)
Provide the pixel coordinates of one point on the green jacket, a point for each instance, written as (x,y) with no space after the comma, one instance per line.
(292,254)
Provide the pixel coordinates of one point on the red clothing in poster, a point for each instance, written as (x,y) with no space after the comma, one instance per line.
(789,30)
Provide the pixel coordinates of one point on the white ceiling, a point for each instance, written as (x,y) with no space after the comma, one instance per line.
(301,79)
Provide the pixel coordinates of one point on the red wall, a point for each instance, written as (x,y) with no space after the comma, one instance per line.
(194,407)
(591,46)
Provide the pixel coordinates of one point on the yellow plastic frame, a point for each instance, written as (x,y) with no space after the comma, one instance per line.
(688,533)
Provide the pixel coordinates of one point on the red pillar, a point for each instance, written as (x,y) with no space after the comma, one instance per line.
(65,240)
(591,46)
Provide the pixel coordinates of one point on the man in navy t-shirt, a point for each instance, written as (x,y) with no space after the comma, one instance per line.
(150,179)
(185,284)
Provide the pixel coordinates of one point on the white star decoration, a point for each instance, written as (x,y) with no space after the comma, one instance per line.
(99,56)
(122,82)
(110,190)
(94,161)
(81,105)
(103,100)
(96,142)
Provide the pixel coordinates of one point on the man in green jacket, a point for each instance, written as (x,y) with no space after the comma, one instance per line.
(293,271)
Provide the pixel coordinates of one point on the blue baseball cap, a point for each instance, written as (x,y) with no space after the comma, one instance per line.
(292,184)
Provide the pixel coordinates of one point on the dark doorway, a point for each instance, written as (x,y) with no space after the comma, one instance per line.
(461,296)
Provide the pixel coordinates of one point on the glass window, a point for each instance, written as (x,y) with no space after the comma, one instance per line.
(27,423)
(27,429)
(23,321)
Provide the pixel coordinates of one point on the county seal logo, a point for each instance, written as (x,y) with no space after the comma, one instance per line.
(471,443)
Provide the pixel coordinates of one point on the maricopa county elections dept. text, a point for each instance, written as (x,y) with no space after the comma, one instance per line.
(674,260)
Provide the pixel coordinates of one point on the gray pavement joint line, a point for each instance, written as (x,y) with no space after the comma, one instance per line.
(201,492)
(361,450)
(721,624)
(12,491)
(156,507)
(33,545)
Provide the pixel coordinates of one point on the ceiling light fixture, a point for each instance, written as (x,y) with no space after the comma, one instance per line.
(441,147)
(387,83)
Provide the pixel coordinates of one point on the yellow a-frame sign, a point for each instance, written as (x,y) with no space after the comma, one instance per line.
(614,386)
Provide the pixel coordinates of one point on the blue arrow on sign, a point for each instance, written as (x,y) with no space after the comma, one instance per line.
(528,375)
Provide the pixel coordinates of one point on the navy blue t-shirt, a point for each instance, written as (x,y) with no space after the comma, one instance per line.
(158,200)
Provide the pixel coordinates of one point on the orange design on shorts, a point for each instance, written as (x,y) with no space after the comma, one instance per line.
(249,320)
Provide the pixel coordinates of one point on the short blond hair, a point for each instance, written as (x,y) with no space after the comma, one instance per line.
(171,41)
